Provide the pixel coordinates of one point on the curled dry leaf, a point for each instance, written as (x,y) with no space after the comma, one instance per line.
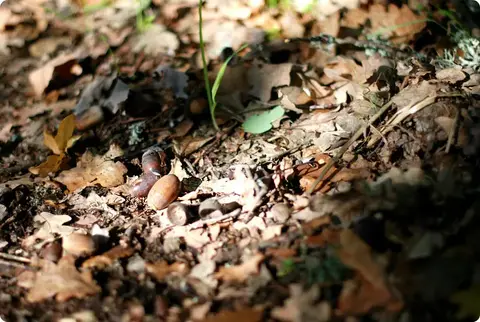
(241,272)
(62,280)
(108,258)
(92,169)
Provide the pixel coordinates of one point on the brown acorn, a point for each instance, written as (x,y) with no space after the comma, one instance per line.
(164,192)
(154,161)
(142,186)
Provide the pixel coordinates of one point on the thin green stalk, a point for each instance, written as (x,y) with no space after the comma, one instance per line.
(211,103)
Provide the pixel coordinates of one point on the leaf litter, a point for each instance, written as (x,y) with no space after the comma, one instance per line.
(382,131)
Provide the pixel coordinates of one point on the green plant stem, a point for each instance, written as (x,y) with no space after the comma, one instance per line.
(211,103)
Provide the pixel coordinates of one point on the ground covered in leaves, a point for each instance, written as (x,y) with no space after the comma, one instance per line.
(337,181)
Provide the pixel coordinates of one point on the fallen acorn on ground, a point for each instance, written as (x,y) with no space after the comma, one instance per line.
(164,192)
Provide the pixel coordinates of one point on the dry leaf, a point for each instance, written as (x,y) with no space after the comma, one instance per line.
(62,280)
(91,170)
(240,273)
(52,224)
(189,144)
(41,77)
(109,257)
(264,77)
(247,314)
(358,296)
(161,269)
(301,306)
(59,144)
(355,253)
(401,24)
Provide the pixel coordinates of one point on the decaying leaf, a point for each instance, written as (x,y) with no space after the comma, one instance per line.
(93,169)
(61,280)
(241,272)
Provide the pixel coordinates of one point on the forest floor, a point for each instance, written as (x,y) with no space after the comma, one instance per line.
(337,181)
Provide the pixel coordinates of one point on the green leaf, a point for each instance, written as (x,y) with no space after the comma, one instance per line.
(261,123)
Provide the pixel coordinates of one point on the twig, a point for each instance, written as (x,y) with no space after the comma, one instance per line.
(345,147)
(211,221)
(15,258)
(451,134)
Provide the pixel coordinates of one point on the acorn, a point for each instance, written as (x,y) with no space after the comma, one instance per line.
(78,244)
(164,192)
(178,214)
(154,161)
(142,186)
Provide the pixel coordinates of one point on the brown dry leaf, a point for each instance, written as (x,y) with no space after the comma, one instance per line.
(62,280)
(241,272)
(264,77)
(182,129)
(161,269)
(450,75)
(281,252)
(355,253)
(241,315)
(109,257)
(399,23)
(41,77)
(358,296)
(302,306)
(189,144)
(91,170)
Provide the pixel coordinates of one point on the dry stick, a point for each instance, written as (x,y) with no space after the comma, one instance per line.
(451,134)
(15,258)
(357,135)
(345,147)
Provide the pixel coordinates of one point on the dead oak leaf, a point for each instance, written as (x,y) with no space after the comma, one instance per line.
(241,272)
(61,280)
(93,169)
(51,224)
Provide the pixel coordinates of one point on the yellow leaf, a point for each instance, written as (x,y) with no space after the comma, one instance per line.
(65,131)
(51,143)
(467,301)
(51,165)
(72,141)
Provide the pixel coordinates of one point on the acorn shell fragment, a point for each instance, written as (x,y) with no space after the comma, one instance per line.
(164,192)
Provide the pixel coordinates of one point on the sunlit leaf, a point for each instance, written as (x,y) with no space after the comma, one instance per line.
(260,123)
